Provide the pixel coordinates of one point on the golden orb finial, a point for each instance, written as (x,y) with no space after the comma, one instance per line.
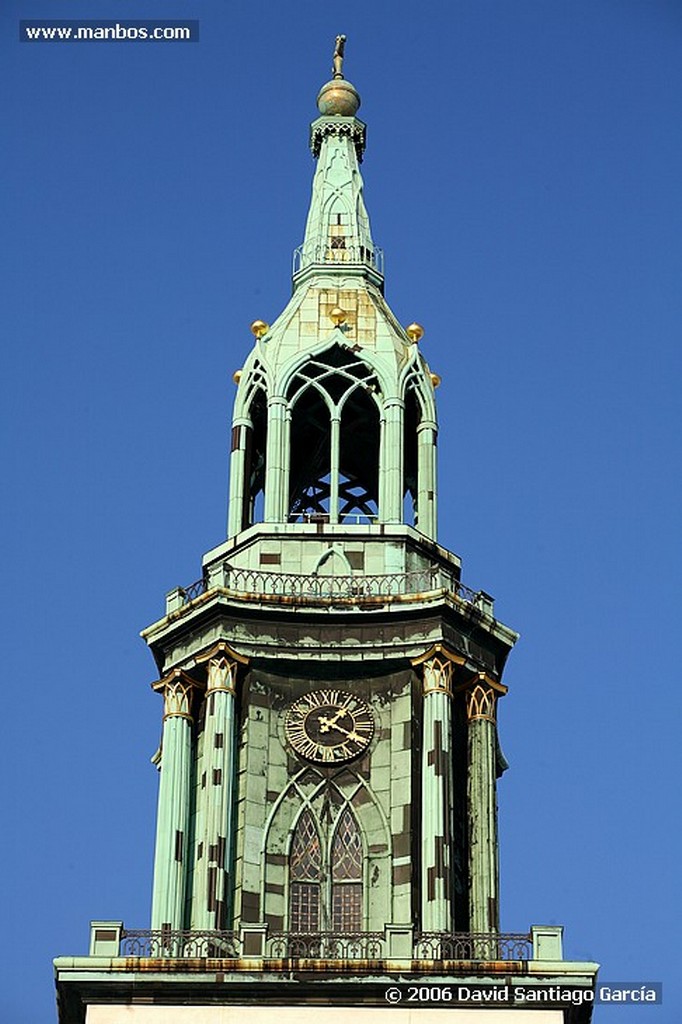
(414,332)
(237,376)
(436,380)
(337,316)
(259,328)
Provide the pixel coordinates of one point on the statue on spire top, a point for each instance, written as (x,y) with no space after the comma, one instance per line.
(337,61)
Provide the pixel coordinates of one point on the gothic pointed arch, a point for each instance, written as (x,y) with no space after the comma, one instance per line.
(256,457)
(348,819)
(412,418)
(310,456)
(359,463)
(249,448)
(333,401)
(305,874)
(347,875)
(419,449)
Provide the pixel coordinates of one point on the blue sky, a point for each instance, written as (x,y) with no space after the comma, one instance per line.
(523,175)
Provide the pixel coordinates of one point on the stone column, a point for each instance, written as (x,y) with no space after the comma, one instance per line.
(392,462)
(275,510)
(335,454)
(436,795)
(482,807)
(213,857)
(171,856)
(286,475)
(238,482)
(427,433)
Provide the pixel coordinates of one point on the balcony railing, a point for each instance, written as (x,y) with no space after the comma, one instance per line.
(348,256)
(345,518)
(436,946)
(330,588)
(326,946)
(178,944)
(471,946)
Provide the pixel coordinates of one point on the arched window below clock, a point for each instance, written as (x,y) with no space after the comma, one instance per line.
(305,869)
(326,879)
(346,857)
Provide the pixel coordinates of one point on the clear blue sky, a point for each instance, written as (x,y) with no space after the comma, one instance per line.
(523,174)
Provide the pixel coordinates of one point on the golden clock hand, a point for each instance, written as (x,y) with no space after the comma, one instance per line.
(350,733)
(330,723)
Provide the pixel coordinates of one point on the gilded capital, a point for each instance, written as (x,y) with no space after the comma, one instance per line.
(437,675)
(481,701)
(222,675)
(177,696)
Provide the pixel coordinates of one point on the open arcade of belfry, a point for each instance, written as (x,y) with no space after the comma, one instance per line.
(327,829)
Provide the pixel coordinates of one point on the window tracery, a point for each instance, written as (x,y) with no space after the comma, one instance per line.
(333,404)
(326,885)
(305,866)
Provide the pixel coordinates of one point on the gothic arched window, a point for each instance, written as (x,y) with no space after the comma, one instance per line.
(335,439)
(305,869)
(326,882)
(347,876)
(254,469)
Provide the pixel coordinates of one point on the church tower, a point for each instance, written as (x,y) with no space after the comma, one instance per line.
(330,752)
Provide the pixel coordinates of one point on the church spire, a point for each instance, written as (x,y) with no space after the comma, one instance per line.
(337,233)
(335,415)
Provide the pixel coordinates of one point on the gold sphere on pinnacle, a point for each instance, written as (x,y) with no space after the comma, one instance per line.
(337,316)
(259,328)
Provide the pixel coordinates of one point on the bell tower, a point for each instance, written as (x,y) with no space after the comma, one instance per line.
(330,754)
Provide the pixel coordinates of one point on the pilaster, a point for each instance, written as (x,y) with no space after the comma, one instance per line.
(215,803)
(481,700)
(170,860)
(436,792)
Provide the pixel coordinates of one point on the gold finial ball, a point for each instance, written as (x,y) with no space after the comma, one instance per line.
(338,97)
(436,379)
(337,316)
(237,376)
(414,332)
(259,328)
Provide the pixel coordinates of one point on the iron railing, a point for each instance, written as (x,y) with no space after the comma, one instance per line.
(321,587)
(333,946)
(195,589)
(472,946)
(326,946)
(179,944)
(352,255)
(345,518)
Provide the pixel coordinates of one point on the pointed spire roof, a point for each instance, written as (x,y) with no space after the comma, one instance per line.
(338,234)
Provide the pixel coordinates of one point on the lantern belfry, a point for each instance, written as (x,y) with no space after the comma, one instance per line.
(327,816)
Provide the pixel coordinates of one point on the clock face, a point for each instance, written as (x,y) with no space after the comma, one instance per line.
(329,726)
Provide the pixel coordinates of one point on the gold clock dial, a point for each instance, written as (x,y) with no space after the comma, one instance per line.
(329,726)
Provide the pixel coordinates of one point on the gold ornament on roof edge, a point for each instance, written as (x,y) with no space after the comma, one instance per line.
(259,328)
(337,316)
(436,379)
(414,332)
(237,376)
